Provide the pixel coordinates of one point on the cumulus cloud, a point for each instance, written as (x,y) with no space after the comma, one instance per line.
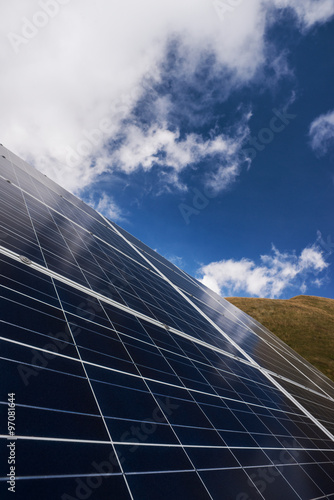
(75,72)
(322,133)
(276,273)
(158,146)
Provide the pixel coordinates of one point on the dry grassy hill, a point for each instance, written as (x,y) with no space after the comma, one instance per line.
(304,323)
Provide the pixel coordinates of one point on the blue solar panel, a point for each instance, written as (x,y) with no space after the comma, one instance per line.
(123,377)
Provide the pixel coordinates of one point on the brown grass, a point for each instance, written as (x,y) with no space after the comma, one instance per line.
(304,323)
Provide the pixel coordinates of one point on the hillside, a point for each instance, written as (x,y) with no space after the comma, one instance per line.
(304,323)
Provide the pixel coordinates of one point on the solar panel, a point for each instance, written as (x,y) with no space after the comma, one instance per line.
(123,377)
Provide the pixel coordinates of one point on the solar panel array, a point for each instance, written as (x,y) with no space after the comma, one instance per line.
(122,377)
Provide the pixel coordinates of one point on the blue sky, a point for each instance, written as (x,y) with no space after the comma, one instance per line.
(205,128)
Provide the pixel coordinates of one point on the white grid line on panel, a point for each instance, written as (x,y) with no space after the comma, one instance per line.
(62,476)
(56,440)
(167,445)
(67,476)
(325,497)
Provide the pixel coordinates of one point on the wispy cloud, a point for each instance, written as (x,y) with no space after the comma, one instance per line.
(176,260)
(73,85)
(322,133)
(271,277)
(309,12)
(106,205)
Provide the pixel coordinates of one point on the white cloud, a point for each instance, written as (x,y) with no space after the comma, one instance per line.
(107,207)
(319,282)
(224,176)
(309,12)
(328,245)
(144,149)
(312,258)
(70,66)
(159,146)
(231,159)
(275,273)
(322,133)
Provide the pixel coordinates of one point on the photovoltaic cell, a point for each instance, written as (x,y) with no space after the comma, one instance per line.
(134,381)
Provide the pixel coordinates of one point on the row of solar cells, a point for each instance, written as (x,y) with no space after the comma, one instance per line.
(114,340)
